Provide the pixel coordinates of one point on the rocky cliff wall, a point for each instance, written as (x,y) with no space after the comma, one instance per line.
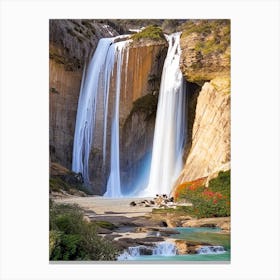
(210,145)
(64,94)
(205,60)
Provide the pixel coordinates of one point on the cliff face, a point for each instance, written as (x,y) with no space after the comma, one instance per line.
(205,48)
(205,61)
(72,42)
(210,147)
(64,94)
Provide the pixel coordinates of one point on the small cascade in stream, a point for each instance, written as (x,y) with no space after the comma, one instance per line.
(209,250)
(170,124)
(164,249)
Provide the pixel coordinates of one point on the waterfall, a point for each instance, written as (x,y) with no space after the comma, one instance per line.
(96,84)
(164,249)
(170,124)
(85,119)
(103,76)
(114,185)
(209,250)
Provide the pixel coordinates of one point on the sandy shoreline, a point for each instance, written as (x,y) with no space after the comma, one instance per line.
(103,206)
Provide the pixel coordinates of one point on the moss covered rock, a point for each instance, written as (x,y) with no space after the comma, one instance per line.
(205,50)
(150,33)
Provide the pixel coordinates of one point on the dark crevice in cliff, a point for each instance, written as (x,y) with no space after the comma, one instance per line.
(192,90)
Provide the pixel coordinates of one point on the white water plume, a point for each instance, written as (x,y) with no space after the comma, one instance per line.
(85,119)
(170,124)
(113,188)
(96,82)
(164,249)
(209,250)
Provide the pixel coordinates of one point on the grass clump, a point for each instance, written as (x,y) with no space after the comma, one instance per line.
(72,238)
(152,32)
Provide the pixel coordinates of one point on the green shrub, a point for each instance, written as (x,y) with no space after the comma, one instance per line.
(72,238)
(213,201)
(152,32)
(65,246)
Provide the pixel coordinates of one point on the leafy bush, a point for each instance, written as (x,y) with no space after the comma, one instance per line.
(151,32)
(213,201)
(72,238)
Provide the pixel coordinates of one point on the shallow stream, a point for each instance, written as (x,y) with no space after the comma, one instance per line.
(166,251)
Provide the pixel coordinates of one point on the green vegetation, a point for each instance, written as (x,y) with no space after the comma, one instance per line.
(58,184)
(72,238)
(213,201)
(152,32)
(146,104)
(215,35)
(54,90)
(221,183)
(105,224)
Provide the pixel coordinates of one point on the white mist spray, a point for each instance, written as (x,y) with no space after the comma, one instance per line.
(170,124)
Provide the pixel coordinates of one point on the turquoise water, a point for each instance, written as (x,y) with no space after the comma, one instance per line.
(178,258)
(213,236)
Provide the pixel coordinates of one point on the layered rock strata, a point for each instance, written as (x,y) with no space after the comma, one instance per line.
(205,61)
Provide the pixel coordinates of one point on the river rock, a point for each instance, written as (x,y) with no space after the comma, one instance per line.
(189,247)
(212,222)
(124,243)
(101,230)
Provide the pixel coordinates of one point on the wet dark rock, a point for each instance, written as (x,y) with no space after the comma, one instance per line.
(111,236)
(163,224)
(209,225)
(124,243)
(101,230)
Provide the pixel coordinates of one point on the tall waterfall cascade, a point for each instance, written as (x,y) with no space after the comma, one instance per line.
(103,76)
(170,124)
(95,85)
(114,183)
(86,113)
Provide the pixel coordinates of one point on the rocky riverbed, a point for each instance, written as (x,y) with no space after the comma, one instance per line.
(133,226)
